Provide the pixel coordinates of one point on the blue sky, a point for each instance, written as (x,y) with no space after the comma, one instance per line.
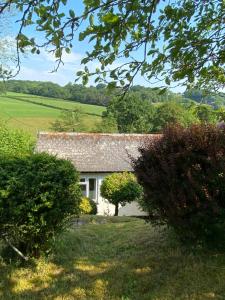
(39,67)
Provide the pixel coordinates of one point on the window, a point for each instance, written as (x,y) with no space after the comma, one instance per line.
(83,189)
(92,188)
(89,187)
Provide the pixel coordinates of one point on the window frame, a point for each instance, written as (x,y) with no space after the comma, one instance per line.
(85,182)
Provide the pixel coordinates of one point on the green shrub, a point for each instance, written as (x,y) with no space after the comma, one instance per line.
(183,175)
(94,209)
(120,188)
(14,142)
(88,206)
(38,194)
(85,206)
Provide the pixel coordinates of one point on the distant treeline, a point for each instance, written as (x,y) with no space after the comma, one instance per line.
(100,95)
(214,99)
(75,92)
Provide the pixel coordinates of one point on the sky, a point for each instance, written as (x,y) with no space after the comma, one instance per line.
(40,67)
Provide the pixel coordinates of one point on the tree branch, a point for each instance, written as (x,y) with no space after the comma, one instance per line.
(15,249)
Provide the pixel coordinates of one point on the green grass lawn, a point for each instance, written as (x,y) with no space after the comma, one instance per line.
(122,259)
(20,113)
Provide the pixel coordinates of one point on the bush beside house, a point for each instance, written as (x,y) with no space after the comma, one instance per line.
(120,188)
(183,175)
(38,193)
(88,206)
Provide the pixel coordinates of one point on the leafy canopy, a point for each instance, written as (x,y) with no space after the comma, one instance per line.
(180,41)
(131,113)
(108,124)
(120,188)
(206,114)
(70,120)
(173,113)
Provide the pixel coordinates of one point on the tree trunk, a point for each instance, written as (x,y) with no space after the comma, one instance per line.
(116,209)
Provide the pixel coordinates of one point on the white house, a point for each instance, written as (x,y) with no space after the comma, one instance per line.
(95,156)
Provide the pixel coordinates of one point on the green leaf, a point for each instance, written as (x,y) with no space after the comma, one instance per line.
(68,51)
(167,81)
(110,18)
(72,14)
(91,20)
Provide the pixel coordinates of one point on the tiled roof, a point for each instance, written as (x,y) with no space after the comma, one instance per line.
(94,152)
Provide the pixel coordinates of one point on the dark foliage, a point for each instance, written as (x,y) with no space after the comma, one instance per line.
(37,195)
(94,209)
(183,175)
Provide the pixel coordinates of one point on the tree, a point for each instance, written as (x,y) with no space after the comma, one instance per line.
(2,87)
(194,94)
(206,114)
(172,113)
(183,176)
(132,114)
(205,97)
(38,193)
(120,188)
(98,95)
(220,114)
(191,32)
(69,121)
(108,124)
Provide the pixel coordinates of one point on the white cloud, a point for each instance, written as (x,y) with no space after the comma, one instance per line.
(7,50)
(39,67)
(59,77)
(72,57)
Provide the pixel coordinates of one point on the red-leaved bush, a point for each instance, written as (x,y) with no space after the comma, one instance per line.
(183,175)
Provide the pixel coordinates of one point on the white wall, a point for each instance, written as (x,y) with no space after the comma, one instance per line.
(104,207)
(131,209)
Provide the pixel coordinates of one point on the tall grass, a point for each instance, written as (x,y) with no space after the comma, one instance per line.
(117,259)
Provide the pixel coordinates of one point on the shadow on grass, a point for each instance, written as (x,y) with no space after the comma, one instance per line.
(117,261)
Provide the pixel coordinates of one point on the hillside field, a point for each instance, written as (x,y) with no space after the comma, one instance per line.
(34,113)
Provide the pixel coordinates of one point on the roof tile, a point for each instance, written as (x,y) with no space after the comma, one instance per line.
(94,152)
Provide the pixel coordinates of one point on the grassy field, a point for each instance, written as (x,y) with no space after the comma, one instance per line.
(34,113)
(120,259)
